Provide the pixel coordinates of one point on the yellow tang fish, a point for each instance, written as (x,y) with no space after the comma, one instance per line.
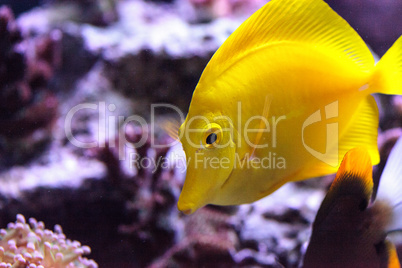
(348,230)
(283,99)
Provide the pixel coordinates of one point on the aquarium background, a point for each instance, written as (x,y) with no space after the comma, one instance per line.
(73,71)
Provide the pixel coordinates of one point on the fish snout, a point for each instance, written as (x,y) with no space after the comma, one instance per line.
(186,208)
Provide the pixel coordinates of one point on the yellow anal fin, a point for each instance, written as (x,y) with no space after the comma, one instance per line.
(361,131)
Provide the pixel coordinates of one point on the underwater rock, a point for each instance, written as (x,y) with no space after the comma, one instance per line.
(151,55)
(154,54)
(155,78)
(76,62)
(96,12)
(21,6)
(276,227)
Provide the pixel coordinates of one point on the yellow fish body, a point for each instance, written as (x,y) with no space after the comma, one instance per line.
(283,99)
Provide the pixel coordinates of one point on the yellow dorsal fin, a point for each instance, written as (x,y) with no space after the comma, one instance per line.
(171,127)
(263,121)
(311,22)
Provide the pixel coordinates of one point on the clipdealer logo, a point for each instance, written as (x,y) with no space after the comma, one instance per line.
(108,123)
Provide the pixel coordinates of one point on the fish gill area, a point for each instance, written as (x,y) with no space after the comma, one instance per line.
(72,72)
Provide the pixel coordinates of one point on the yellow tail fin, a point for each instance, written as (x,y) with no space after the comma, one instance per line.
(387,77)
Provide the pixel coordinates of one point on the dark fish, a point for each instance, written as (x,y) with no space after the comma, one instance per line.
(349,231)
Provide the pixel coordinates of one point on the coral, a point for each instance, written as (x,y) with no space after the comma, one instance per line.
(150,189)
(27,107)
(153,200)
(209,239)
(30,245)
(209,10)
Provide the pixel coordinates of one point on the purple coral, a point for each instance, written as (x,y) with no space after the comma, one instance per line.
(27,106)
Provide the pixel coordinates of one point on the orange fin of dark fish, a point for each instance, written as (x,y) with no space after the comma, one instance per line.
(265,112)
(393,261)
(338,238)
(356,162)
(354,177)
(171,127)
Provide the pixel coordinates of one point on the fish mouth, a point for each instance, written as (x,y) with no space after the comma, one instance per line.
(186,208)
(197,192)
(191,207)
(189,203)
(186,211)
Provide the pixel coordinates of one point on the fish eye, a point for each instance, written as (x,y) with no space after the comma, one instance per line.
(211,138)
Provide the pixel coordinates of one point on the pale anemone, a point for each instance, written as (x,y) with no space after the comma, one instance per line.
(24,245)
